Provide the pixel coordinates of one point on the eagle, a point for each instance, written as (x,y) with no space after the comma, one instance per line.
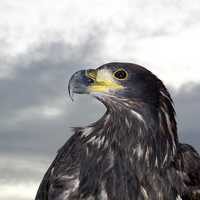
(132,152)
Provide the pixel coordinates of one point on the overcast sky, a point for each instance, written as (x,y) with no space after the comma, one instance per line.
(43,42)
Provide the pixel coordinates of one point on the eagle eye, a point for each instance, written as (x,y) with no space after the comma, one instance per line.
(120,74)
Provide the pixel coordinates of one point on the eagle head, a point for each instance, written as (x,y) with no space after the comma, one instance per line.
(117,81)
(139,108)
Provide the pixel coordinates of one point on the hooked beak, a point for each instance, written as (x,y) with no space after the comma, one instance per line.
(80,81)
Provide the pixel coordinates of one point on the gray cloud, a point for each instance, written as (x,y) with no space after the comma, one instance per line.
(40,79)
(187,100)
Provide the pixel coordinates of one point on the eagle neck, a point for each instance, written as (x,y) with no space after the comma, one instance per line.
(142,134)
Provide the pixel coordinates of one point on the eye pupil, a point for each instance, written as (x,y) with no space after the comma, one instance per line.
(121,74)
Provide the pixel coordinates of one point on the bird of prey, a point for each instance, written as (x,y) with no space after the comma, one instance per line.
(132,152)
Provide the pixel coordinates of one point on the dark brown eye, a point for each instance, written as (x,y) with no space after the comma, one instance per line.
(120,74)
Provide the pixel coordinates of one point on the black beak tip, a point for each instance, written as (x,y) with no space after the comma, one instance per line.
(70,91)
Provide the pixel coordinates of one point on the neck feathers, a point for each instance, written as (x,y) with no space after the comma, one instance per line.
(146,136)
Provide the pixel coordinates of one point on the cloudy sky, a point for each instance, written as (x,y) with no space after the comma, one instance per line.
(43,42)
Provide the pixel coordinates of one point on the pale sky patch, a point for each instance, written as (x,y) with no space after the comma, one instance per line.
(20,190)
(162,35)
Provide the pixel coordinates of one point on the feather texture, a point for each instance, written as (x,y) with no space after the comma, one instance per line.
(131,153)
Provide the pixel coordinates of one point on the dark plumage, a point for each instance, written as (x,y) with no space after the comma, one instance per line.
(132,152)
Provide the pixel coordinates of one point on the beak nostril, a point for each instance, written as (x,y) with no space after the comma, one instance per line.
(91,80)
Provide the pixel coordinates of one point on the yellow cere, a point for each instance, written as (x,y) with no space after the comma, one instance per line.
(104,82)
